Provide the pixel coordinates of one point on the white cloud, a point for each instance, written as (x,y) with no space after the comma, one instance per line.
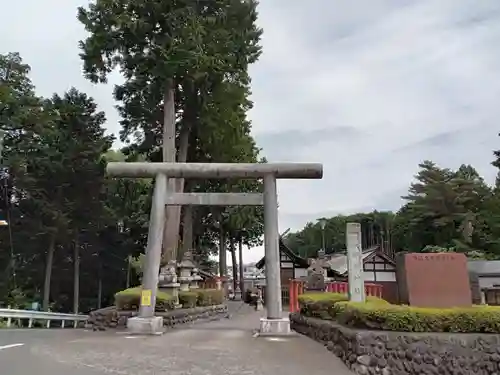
(367,88)
(398,73)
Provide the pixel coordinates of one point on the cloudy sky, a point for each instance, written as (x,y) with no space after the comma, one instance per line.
(368,88)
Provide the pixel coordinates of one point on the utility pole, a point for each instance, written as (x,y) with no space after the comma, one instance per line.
(322,224)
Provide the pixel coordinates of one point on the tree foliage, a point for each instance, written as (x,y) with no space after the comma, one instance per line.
(72,230)
(444,210)
(201,52)
(63,213)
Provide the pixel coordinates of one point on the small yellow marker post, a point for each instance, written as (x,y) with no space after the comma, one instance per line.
(146,297)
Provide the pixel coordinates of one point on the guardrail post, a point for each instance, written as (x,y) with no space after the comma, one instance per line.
(30,323)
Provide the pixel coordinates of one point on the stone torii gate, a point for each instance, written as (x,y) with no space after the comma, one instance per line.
(146,322)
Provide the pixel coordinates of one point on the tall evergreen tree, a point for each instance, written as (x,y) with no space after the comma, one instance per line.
(178,59)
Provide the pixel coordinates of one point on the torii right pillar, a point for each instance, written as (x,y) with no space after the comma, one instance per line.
(274,323)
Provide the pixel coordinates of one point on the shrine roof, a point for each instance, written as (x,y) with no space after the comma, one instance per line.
(296,259)
(338,261)
(206,274)
(484,267)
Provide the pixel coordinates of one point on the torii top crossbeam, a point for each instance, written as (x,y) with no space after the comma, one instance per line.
(217,170)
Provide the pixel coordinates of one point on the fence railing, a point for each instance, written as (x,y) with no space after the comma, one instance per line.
(374,290)
(35,316)
(297,287)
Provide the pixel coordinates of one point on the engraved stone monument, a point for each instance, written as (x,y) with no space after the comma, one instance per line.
(422,283)
(355,263)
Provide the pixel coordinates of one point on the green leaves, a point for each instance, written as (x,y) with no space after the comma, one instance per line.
(53,185)
(204,48)
(376,227)
(445,210)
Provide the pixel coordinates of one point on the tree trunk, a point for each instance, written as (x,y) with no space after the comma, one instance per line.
(99,292)
(129,269)
(172,223)
(222,258)
(170,236)
(183,155)
(76,274)
(234,263)
(99,284)
(181,185)
(240,255)
(48,272)
(187,231)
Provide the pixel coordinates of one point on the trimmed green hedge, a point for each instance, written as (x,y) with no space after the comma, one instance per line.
(188,300)
(210,297)
(327,305)
(129,299)
(474,319)
(201,297)
(377,314)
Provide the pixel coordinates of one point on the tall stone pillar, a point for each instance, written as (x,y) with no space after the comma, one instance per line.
(274,323)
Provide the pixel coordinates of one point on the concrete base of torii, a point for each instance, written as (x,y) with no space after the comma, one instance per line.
(145,326)
(275,327)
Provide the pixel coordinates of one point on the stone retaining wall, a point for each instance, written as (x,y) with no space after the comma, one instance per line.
(401,353)
(110,317)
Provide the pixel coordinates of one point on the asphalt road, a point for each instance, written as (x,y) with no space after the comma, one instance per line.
(224,347)
(18,352)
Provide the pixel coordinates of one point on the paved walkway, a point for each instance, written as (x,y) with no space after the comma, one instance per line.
(224,347)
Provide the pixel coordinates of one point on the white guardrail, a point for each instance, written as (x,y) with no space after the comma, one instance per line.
(31,316)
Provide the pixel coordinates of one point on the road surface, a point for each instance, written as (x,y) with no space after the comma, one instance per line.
(223,347)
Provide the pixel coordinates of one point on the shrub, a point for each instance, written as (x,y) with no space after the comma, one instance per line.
(477,319)
(188,299)
(130,299)
(328,305)
(209,297)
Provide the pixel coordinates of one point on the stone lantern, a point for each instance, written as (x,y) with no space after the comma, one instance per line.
(168,282)
(195,279)
(185,270)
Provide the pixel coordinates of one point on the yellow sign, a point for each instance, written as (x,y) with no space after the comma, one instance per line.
(146,297)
